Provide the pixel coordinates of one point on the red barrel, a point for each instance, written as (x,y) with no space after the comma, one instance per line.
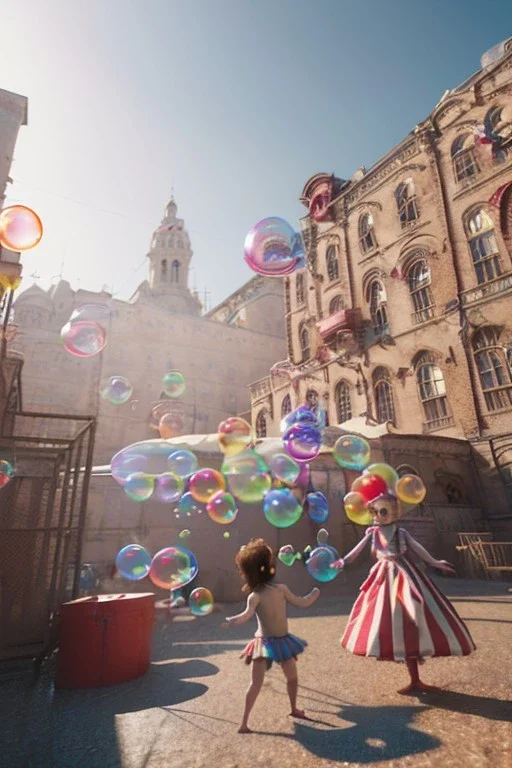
(104,640)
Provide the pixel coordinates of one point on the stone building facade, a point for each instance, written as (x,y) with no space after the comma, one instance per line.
(404,312)
(160,329)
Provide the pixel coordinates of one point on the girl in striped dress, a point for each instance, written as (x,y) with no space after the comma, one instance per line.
(272,641)
(400,614)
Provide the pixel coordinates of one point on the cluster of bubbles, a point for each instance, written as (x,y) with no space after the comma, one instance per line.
(6,472)
(20,228)
(273,248)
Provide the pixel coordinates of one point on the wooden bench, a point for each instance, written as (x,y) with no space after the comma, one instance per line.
(495,556)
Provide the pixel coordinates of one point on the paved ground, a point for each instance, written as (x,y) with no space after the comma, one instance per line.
(184,713)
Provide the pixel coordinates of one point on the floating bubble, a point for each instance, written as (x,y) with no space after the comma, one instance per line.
(148,456)
(6,468)
(20,228)
(116,390)
(248,476)
(159,410)
(317,506)
(388,474)
(226,534)
(187,505)
(170,425)
(302,442)
(352,452)
(173,384)
(222,508)
(139,486)
(184,534)
(168,487)
(133,562)
(281,508)
(200,601)
(234,435)
(273,248)
(287,555)
(85,338)
(284,468)
(319,564)
(173,568)
(99,312)
(183,463)
(355,509)
(205,483)
(369,487)
(301,415)
(411,489)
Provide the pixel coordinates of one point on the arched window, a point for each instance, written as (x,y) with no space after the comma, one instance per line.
(484,246)
(376,296)
(261,424)
(175,277)
(464,161)
(418,281)
(335,304)
(343,404)
(407,207)
(333,267)
(383,393)
(300,295)
(286,406)
(432,393)
(170,241)
(367,239)
(163,270)
(493,369)
(304,343)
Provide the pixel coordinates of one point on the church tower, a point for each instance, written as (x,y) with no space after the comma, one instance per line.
(169,262)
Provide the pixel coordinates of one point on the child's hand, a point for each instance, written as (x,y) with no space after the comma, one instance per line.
(444,566)
(338,564)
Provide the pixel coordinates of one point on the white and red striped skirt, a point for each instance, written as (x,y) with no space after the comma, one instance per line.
(400,614)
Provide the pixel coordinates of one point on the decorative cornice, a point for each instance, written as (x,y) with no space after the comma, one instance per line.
(373,180)
(371,204)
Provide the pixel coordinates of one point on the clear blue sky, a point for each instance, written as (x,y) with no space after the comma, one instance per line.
(235,102)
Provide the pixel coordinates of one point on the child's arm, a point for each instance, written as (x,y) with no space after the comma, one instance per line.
(354,553)
(416,547)
(240,618)
(300,602)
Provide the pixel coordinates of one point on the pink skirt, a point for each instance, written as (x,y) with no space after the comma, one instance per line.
(272,649)
(400,614)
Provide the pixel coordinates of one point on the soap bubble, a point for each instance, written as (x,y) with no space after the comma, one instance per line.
(182,462)
(83,338)
(170,425)
(273,248)
(168,487)
(173,568)
(226,534)
(116,390)
(205,483)
(388,474)
(369,487)
(411,489)
(159,410)
(319,564)
(284,468)
(317,507)
(248,476)
(187,505)
(133,562)
(301,415)
(287,555)
(352,452)
(99,312)
(184,534)
(152,457)
(200,601)
(139,486)
(234,435)
(20,228)
(173,384)
(355,509)
(222,508)
(281,508)
(302,442)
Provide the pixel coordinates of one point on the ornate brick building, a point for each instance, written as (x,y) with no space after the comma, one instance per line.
(404,313)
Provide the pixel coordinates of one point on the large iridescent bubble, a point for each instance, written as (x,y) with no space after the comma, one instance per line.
(273,248)
(168,487)
(182,462)
(187,506)
(222,508)
(352,452)
(302,442)
(116,390)
(152,457)
(281,508)
(317,506)
(83,338)
(200,601)
(205,483)
(133,562)
(301,415)
(234,435)
(20,228)
(173,384)
(139,486)
(173,568)
(248,476)
(319,564)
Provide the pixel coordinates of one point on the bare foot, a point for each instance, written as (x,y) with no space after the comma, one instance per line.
(418,686)
(299,713)
(244,729)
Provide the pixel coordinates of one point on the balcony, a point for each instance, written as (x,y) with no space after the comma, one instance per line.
(492,288)
(343,320)
(443,422)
